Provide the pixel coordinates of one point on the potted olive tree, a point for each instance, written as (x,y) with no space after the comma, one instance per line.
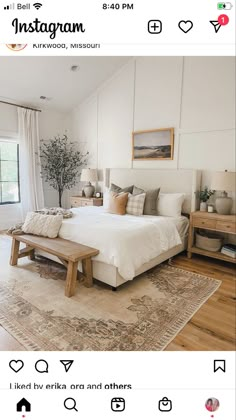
(204,197)
(61,163)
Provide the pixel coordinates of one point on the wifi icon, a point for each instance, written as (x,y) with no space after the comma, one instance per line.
(37,5)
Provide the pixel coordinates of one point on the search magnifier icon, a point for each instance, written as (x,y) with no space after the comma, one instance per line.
(70,404)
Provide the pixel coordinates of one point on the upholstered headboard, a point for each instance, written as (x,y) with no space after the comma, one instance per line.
(170,181)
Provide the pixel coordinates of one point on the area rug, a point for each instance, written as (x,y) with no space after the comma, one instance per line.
(143,315)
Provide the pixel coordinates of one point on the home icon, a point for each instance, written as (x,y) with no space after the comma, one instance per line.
(23,404)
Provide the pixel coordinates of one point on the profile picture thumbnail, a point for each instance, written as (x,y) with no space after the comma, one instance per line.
(16,47)
(212,404)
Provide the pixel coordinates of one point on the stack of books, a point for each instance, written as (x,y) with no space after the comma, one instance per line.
(229,250)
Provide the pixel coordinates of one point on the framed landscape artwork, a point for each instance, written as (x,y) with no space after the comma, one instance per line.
(153,144)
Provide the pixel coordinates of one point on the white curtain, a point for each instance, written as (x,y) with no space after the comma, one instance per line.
(31,187)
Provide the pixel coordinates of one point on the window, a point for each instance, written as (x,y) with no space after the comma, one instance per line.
(9,173)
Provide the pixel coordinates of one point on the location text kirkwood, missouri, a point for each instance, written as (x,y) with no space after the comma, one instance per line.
(52,28)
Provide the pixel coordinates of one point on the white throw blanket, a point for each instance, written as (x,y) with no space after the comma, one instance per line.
(127,242)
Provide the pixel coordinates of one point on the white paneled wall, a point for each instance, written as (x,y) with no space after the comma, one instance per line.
(208,100)
(157,92)
(211,150)
(158,100)
(85,128)
(115,119)
(195,95)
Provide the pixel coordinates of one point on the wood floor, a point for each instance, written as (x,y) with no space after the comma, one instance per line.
(211,328)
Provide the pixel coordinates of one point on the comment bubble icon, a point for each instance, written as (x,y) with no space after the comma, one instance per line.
(41,366)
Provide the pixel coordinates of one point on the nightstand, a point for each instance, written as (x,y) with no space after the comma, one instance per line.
(214,222)
(78,201)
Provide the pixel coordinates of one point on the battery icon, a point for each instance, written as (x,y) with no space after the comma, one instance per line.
(224,6)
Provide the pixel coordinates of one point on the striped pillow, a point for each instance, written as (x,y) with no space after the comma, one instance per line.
(135,204)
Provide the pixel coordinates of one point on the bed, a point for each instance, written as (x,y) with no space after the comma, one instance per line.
(130,245)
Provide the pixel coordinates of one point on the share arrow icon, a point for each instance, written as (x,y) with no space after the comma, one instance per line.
(67,364)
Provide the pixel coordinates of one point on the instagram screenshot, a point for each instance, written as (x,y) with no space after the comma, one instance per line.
(117,210)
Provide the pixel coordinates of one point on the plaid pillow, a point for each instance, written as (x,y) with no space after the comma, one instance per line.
(135,204)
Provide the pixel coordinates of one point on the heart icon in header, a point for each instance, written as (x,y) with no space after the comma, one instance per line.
(185,25)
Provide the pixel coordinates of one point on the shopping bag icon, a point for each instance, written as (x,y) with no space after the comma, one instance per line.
(165,404)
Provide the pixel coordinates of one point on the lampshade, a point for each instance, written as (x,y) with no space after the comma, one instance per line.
(89,175)
(223,181)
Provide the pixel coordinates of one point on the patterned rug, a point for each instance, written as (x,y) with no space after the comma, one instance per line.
(144,314)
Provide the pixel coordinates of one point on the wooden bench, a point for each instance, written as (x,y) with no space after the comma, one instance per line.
(68,252)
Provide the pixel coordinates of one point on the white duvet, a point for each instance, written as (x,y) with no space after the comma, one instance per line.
(127,242)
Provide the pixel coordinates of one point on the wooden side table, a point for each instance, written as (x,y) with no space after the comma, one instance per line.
(214,222)
(78,201)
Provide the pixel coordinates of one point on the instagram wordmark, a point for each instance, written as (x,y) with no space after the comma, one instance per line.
(52,28)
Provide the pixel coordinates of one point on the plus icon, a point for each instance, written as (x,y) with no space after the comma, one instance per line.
(154,26)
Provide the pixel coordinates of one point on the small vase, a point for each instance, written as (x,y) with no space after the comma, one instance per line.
(203,206)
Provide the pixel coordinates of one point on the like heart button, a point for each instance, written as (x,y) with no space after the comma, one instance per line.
(185,25)
(16,365)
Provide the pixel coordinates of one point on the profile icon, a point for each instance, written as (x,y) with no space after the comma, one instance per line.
(16,47)
(212,404)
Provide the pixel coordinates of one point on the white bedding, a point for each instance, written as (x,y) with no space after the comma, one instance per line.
(127,242)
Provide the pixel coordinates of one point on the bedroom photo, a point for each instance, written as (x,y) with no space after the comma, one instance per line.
(117,203)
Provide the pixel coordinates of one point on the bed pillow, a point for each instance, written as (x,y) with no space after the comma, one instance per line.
(117,189)
(135,204)
(42,225)
(150,205)
(170,204)
(106,198)
(118,203)
(137,191)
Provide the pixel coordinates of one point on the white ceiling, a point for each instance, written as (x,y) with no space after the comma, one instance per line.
(24,79)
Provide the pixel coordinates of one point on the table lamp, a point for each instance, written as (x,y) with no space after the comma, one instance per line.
(89,175)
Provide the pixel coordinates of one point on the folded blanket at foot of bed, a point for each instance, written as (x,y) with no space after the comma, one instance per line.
(54,211)
(16,229)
